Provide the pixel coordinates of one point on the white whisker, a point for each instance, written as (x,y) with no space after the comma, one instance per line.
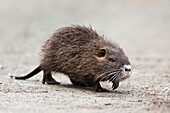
(112,71)
(114,78)
(115,70)
(110,75)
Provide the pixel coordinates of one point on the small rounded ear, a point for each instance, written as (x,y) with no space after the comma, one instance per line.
(102,53)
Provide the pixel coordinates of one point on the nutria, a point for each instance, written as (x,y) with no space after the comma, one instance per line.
(84,56)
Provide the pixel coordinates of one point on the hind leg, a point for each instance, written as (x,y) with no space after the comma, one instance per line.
(47,78)
(77,83)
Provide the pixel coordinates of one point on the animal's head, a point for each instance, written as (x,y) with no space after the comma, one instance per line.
(110,63)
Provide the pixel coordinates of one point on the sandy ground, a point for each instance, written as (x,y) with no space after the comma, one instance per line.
(141,27)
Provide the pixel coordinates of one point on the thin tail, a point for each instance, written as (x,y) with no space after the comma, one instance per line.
(34,72)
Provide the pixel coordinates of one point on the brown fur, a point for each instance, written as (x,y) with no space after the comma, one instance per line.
(74,52)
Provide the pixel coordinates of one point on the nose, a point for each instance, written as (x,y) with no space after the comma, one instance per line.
(127,68)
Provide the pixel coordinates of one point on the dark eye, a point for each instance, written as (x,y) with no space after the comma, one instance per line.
(102,53)
(112,60)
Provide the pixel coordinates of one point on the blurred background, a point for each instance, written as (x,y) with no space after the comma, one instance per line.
(141,27)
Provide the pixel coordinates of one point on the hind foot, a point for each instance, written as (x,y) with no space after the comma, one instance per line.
(47,78)
(98,88)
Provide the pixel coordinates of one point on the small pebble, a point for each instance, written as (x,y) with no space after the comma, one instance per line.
(9,74)
(107,104)
(139,100)
(44,91)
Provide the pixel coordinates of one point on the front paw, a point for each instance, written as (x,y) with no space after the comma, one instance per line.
(115,84)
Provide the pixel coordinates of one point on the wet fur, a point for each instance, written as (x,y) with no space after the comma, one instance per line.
(73,51)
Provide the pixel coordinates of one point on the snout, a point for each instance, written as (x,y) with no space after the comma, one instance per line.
(127,68)
(126,72)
